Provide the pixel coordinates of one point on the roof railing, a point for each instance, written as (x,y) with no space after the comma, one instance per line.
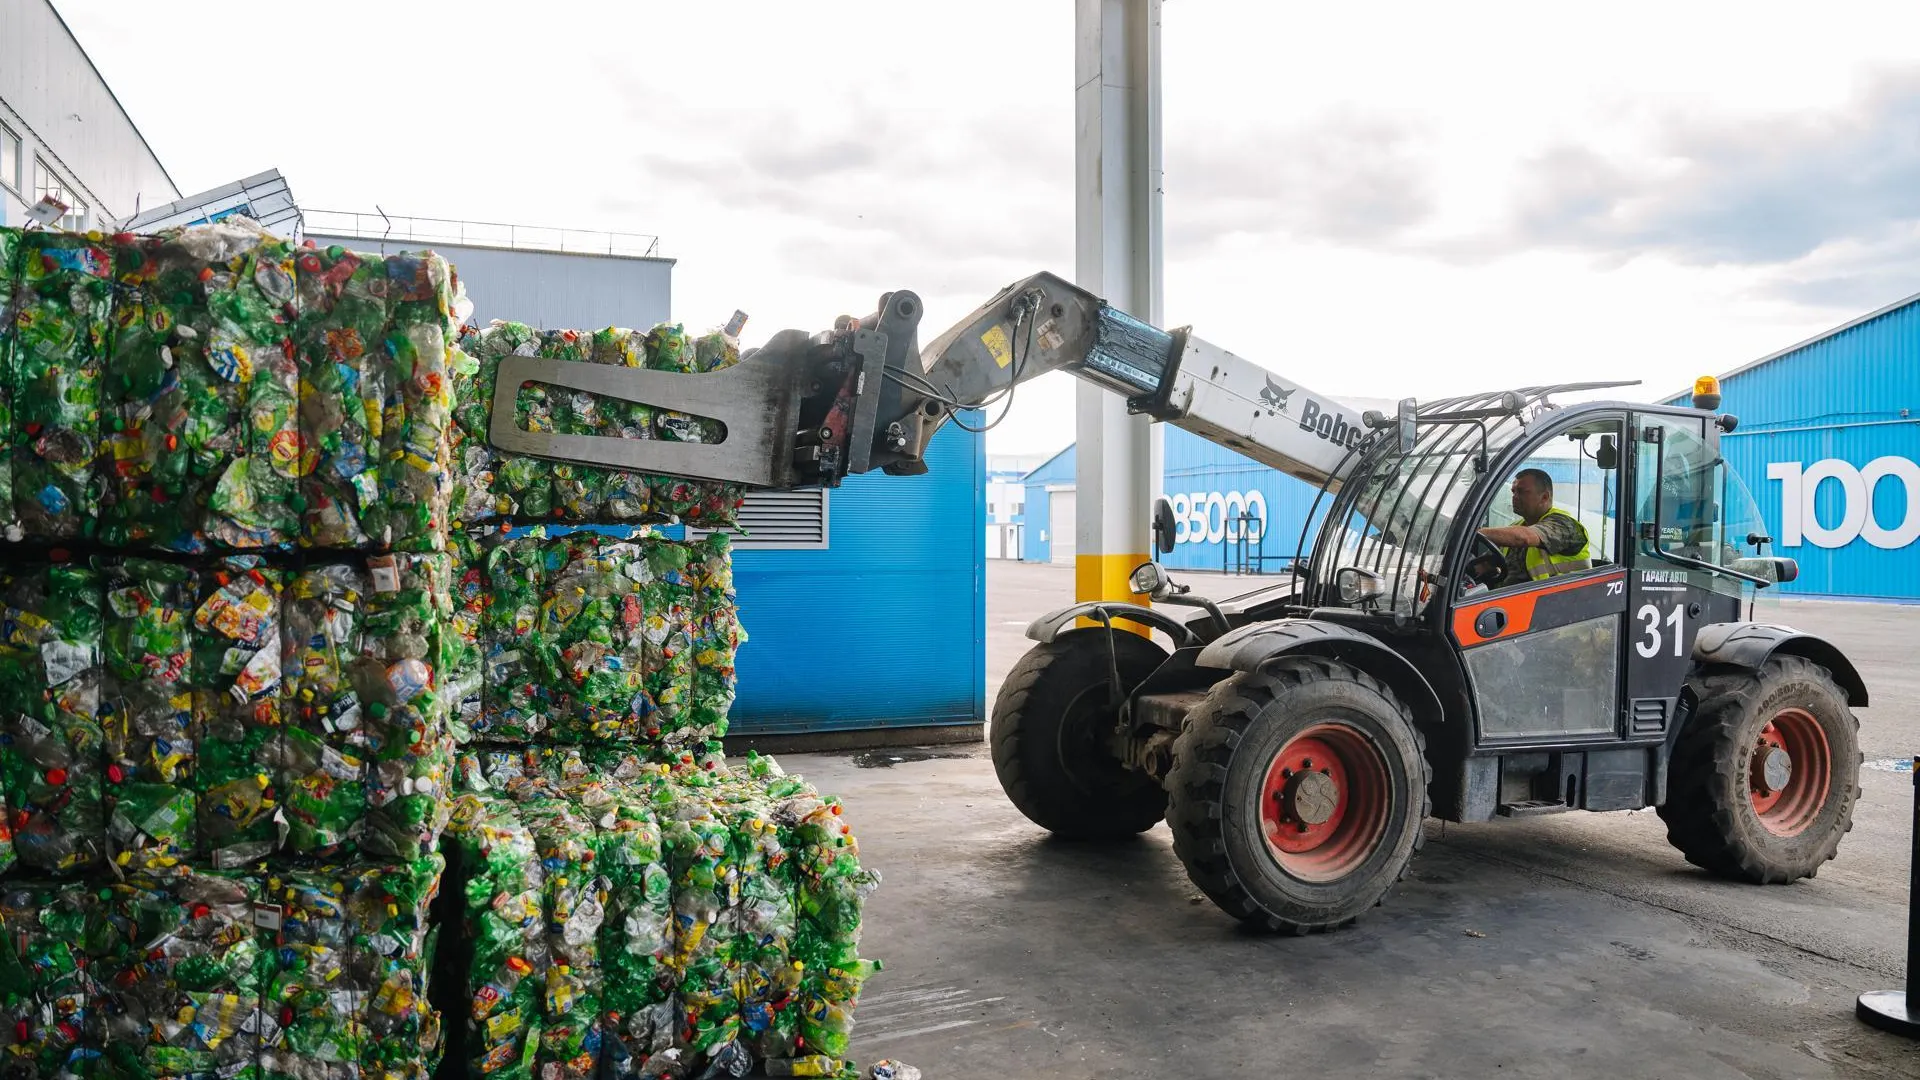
(403,229)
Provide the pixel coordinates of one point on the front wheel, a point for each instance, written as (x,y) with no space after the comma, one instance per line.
(1298,794)
(1763,780)
(1049,738)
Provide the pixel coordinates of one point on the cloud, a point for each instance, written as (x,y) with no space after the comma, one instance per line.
(1851,277)
(1719,191)
(1345,177)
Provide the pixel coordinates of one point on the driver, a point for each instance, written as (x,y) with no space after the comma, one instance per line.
(1548,541)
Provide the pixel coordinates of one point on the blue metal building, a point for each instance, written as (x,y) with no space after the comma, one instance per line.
(1230,512)
(1829,444)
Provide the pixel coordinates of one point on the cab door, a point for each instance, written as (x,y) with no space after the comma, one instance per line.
(1677,508)
(1543,659)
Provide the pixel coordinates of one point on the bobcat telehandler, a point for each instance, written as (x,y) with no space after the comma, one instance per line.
(1295,739)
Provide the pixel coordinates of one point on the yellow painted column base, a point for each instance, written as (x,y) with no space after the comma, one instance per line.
(1105,577)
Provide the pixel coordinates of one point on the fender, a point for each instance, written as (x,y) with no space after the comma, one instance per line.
(1751,645)
(1248,647)
(1049,626)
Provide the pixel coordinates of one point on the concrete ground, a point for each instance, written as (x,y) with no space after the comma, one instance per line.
(1575,945)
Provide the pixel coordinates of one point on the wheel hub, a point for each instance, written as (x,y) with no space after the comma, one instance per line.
(1790,774)
(1325,802)
(1310,798)
(1772,769)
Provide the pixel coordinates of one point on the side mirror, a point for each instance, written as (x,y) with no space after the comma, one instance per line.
(1163,526)
(1148,579)
(1359,586)
(1776,569)
(1608,456)
(1403,422)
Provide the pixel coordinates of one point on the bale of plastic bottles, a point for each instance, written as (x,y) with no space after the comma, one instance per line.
(215,388)
(318,972)
(496,486)
(589,638)
(689,918)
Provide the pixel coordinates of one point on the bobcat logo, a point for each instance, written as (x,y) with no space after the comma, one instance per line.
(1274,397)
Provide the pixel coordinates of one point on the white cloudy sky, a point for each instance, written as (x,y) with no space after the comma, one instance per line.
(1378,199)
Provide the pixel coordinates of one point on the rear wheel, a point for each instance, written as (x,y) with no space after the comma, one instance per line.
(1298,794)
(1763,780)
(1049,738)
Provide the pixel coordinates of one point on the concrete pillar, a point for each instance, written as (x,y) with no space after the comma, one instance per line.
(1118,257)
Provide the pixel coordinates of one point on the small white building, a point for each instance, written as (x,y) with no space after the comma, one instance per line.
(1006,502)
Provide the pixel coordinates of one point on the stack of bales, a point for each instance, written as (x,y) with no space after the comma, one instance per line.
(267,629)
(226,618)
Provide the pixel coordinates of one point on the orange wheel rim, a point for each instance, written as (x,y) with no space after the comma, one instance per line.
(1791,772)
(1324,802)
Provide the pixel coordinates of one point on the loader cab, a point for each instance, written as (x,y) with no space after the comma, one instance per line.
(1563,677)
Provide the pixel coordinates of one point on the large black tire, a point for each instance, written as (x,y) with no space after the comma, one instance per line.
(1049,736)
(1219,786)
(1716,813)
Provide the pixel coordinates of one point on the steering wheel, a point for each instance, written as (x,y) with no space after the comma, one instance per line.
(1486,563)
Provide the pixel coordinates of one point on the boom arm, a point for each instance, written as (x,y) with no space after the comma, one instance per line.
(806,411)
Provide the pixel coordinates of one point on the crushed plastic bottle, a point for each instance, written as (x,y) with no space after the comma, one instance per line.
(147,711)
(51,740)
(408,644)
(50,993)
(377,366)
(54,349)
(10,271)
(180,961)
(201,425)
(322,759)
(471,597)
(505,923)
(347,989)
(239,712)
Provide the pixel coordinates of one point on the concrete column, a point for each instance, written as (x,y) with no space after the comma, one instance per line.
(1118,256)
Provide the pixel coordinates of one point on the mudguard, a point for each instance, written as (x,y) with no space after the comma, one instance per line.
(1246,648)
(1751,645)
(1050,625)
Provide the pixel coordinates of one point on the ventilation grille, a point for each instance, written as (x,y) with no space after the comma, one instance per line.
(779,519)
(1650,715)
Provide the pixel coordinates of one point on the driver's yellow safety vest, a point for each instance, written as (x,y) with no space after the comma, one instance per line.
(1540,564)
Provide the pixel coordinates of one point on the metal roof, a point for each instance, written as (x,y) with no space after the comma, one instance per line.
(264,197)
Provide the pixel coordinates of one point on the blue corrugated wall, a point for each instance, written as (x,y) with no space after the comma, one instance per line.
(1818,423)
(887,625)
(1202,481)
(1209,486)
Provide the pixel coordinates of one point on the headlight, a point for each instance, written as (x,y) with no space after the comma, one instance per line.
(1147,579)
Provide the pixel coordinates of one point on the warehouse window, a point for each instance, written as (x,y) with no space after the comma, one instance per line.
(9,159)
(47,182)
(773,520)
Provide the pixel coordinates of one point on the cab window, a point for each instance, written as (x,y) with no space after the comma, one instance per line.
(1574,478)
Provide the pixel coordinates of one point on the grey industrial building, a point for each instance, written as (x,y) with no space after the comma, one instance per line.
(63,133)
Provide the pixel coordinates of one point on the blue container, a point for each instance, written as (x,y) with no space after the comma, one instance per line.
(887,625)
